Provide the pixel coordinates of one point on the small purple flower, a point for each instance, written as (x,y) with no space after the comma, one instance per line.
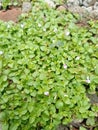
(88,80)
(65,66)
(46,93)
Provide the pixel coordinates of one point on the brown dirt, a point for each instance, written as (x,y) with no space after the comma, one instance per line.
(10,15)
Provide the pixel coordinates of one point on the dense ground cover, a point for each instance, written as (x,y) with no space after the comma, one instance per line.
(4,4)
(48,65)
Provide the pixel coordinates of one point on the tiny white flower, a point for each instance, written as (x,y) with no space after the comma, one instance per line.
(1,52)
(88,80)
(53,41)
(55,30)
(8,26)
(67,33)
(55,97)
(46,93)
(65,66)
(39,25)
(65,95)
(44,29)
(77,58)
(22,25)
(52,4)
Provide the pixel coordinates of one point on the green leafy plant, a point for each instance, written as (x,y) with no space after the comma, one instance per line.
(47,65)
(82,128)
(6,3)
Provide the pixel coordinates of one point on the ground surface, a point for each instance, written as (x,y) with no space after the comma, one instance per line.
(11,14)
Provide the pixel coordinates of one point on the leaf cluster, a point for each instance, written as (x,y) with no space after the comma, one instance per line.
(7,3)
(47,66)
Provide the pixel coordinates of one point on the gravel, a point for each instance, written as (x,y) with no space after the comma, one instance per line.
(85,8)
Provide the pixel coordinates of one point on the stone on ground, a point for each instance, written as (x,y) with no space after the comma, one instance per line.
(26,7)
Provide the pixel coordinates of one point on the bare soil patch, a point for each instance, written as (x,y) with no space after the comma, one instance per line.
(11,14)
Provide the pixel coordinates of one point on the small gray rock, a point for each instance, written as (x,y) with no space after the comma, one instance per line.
(61,8)
(26,7)
(62,127)
(82,11)
(94,14)
(88,3)
(77,9)
(96,6)
(77,123)
(71,3)
(80,2)
(89,9)
(85,8)
(50,3)
(93,97)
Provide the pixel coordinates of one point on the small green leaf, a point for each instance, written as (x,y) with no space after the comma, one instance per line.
(14,126)
(43,48)
(31,119)
(82,128)
(19,87)
(5,126)
(96,79)
(4,77)
(67,100)
(96,69)
(90,121)
(1,66)
(2,116)
(82,109)
(5,98)
(59,104)
(26,91)
(31,107)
